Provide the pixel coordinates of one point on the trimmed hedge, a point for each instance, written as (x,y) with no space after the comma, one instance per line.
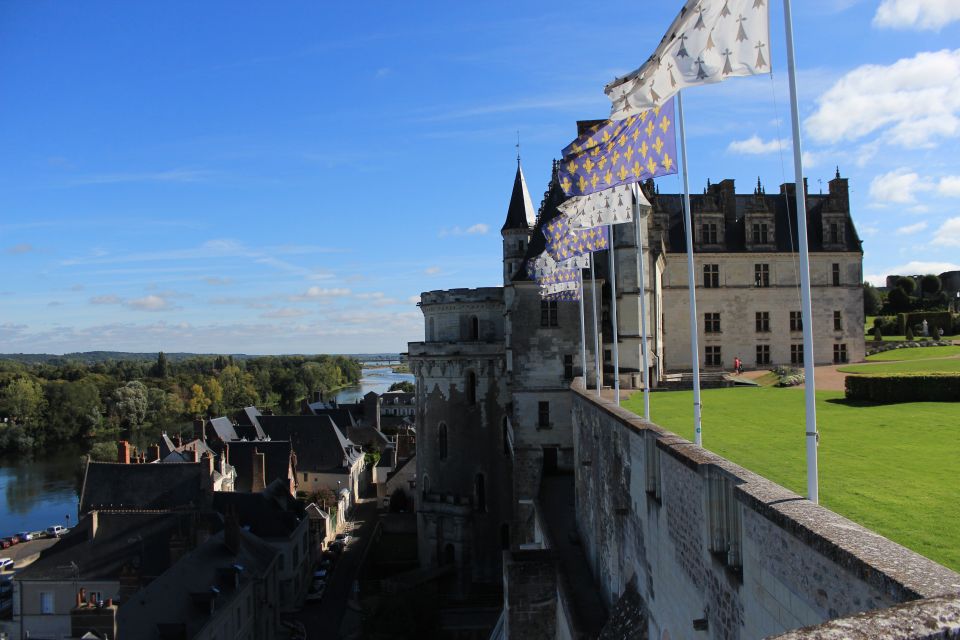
(901,387)
(935,320)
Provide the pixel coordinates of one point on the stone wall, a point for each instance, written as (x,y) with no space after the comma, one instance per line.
(530,594)
(710,543)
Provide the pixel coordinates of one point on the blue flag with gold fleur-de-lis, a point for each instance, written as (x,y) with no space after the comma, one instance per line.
(619,152)
(565,241)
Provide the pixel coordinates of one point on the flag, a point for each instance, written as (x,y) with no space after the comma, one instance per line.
(564,241)
(544,264)
(568,296)
(559,281)
(710,41)
(610,206)
(617,152)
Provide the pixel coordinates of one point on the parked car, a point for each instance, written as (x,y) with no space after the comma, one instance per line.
(5,543)
(25,536)
(12,540)
(6,564)
(55,531)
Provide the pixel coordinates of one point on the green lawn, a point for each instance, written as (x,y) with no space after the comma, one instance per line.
(915,353)
(946,365)
(893,468)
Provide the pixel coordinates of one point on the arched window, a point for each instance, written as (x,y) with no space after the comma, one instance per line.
(481,491)
(442,441)
(471,384)
(474,328)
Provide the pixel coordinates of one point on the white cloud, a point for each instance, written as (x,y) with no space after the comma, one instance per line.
(374,295)
(109,299)
(216,281)
(432,271)
(478,229)
(910,269)
(316,293)
(414,299)
(915,101)
(948,235)
(149,303)
(916,14)
(286,312)
(898,187)
(755,145)
(23,247)
(949,186)
(912,228)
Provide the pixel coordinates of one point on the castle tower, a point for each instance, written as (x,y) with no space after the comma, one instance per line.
(521,217)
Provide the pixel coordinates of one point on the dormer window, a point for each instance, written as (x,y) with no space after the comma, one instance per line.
(760,233)
(708,233)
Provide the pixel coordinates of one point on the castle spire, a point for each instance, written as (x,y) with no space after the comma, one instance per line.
(520,212)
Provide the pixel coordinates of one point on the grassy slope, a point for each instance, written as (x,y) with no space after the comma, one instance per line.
(892,468)
(918,353)
(947,365)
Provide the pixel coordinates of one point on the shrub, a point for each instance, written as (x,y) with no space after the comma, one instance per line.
(935,320)
(898,300)
(908,334)
(877,333)
(893,388)
(907,284)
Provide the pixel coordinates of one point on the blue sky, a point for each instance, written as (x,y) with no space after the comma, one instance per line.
(288,177)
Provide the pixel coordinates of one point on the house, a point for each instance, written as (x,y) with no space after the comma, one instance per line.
(258,463)
(276,518)
(169,486)
(110,555)
(224,475)
(227,587)
(325,458)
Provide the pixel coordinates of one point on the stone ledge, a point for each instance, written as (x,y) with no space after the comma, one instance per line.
(933,618)
(890,567)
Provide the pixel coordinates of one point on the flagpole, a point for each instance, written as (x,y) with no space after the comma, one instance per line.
(596,330)
(642,286)
(691,277)
(613,318)
(812,436)
(583,337)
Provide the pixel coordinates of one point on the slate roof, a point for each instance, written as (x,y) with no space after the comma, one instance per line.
(553,198)
(344,416)
(520,212)
(271,513)
(111,485)
(223,428)
(170,599)
(320,446)
(276,461)
(139,538)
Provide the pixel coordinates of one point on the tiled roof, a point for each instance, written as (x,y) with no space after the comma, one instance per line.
(110,485)
(320,446)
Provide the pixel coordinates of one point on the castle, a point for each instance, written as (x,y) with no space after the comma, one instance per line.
(509,440)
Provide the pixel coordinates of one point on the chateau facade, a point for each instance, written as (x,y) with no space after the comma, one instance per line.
(494,371)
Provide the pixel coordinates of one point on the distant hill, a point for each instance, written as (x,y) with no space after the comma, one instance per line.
(93,357)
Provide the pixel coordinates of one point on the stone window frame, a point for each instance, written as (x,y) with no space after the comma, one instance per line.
(711,276)
(796,321)
(711,322)
(835,274)
(837,320)
(543,414)
(474,328)
(712,355)
(761,274)
(549,314)
(709,233)
(762,319)
(840,353)
(796,354)
(760,232)
(568,366)
(763,354)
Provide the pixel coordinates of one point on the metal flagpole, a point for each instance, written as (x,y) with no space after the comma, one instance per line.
(642,286)
(813,490)
(691,277)
(613,317)
(596,329)
(583,337)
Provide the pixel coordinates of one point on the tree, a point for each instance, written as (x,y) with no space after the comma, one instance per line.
(404,385)
(73,410)
(907,285)
(909,333)
(872,300)
(160,368)
(128,404)
(898,300)
(215,394)
(877,333)
(929,285)
(199,402)
(239,388)
(23,401)
(104,452)
(323,497)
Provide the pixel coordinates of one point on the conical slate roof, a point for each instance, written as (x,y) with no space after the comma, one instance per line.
(520,213)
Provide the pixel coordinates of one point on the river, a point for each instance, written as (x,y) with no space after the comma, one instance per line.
(41,490)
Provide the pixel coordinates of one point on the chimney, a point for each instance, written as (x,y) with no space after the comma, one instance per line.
(231,531)
(258,472)
(143,458)
(196,453)
(123,452)
(198,429)
(839,193)
(154,455)
(208,461)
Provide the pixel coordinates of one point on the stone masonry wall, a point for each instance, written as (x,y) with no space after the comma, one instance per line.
(800,564)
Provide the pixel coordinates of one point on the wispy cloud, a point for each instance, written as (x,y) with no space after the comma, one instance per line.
(916,14)
(171,175)
(19,249)
(911,229)
(948,235)
(525,104)
(432,271)
(286,312)
(755,145)
(218,281)
(478,229)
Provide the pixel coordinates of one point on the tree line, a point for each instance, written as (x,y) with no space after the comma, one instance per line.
(46,403)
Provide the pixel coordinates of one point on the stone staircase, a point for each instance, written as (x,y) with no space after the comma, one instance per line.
(679,380)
